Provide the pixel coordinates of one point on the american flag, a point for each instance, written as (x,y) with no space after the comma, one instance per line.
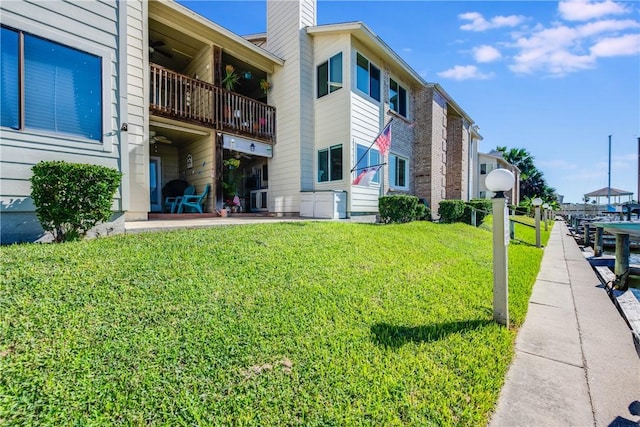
(383,141)
(366,175)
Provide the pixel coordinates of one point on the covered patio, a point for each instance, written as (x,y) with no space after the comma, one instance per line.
(612,196)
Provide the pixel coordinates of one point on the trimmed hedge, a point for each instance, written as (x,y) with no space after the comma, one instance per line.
(483,208)
(71,198)
(451,211)
(402,208)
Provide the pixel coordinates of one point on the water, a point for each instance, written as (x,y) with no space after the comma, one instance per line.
(634,257)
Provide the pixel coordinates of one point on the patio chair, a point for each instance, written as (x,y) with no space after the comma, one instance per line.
(194,202)
(171,202)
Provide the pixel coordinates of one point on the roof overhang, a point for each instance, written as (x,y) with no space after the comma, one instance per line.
(173,14)
(498,159)
(451,102)
(372,42)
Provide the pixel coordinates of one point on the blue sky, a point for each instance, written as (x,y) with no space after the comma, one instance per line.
(555,78)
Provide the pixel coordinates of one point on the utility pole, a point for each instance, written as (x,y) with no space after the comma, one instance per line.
(609,186)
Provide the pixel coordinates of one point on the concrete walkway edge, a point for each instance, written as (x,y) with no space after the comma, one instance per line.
(575,362)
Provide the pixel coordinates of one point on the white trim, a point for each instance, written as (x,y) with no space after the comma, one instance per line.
(354,79)
(107,57)
(392,178)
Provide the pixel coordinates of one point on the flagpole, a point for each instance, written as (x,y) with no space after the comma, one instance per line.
(368,149)
(368,167)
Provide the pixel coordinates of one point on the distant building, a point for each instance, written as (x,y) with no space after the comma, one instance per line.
(494,160)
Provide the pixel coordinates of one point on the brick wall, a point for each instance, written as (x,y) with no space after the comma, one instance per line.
(457,158)
(402,135)
(430,147)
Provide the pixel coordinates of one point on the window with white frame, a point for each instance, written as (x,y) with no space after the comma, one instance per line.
(397,98)
(367,158)
(398,172)
(330,75)
(367,77)
(330,164)
(61,89)
(483,168)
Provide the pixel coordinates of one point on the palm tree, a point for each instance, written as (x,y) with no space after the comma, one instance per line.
(532,181)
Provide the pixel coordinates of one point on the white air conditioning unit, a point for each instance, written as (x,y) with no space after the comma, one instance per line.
(259,201)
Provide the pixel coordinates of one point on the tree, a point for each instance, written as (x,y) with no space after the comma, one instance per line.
(532,182)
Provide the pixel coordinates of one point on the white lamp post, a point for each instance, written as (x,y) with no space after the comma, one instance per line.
(537,202)
(498,181)
(546,216)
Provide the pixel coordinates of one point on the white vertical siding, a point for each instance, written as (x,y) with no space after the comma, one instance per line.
(137,175)
(292,95)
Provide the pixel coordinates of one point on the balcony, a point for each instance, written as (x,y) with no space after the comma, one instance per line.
(179,97)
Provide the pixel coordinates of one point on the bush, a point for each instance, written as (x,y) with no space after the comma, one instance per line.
(451,211)
(423,212)
(401,208)
(483,208)
(72,198)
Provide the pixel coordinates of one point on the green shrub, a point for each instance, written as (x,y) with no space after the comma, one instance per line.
(72,198)
(401,208)
(451,211)
(522,210)
(423,212)
(482,207)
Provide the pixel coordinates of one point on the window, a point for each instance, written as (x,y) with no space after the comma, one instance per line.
(9,78)
(368,77)
(483,194)
(330,164)
(483,168)
(330,75)
(367,158)
(397,98)
(62,86)
(398,171)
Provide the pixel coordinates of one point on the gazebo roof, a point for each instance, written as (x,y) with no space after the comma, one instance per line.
(603,192)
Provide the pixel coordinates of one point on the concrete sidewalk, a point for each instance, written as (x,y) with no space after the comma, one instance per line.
(575,362)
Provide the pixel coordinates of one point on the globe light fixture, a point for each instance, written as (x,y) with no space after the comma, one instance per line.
(498,181)
(545,206)
(537,202)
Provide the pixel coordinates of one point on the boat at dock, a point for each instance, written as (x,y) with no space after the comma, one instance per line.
(632,228)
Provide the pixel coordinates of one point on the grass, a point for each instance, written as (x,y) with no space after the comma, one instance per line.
(277,324)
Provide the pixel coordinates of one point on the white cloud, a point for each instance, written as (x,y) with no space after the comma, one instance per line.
(479,23)
(609,25)
(407,49)
(464,72)
(584,10)
(486,53)
(617,46)
(554,51)
(559,48)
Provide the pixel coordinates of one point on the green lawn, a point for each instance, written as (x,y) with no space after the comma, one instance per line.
(277,324)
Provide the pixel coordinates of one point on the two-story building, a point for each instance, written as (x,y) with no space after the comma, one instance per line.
(283,122)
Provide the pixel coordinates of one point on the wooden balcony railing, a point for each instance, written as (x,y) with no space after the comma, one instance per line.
(177,96)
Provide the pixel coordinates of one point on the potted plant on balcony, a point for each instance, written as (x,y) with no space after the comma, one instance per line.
(231,78)
(265,85)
